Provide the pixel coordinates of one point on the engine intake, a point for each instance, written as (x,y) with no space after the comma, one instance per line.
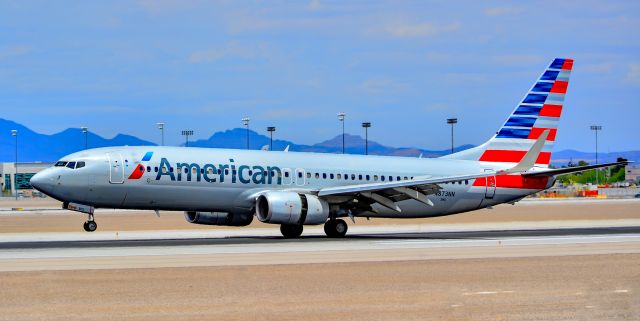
(291,208)
(219,218)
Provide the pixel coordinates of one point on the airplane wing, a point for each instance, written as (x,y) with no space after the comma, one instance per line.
(387,193)
(569,170)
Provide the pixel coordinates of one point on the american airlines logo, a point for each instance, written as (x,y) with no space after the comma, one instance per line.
(212,173)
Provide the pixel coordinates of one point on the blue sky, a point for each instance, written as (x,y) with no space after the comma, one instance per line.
(122,66)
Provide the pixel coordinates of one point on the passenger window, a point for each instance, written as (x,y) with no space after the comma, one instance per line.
(210,170)
(308,175)
(346,176)
(331,175)
(360,177)
(406,178)
(155,169)
(368,177)
(339,176)
(286,174)
(171,169)
(382,178)
(149,169)
(194,171)
(226,172)
(317,175)
(390,178)
(353,177)
(164,170)
(466,182)
(299,174)
(398,178)
(71,165)
(234,172)
(79,165)
(375,178)
(324,175)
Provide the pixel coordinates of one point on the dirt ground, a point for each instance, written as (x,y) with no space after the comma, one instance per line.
(114,220)
(597,287)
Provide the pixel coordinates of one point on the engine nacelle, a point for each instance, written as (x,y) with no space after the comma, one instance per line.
(291,208)
(219,218)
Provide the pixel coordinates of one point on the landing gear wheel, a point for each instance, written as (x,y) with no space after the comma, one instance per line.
(335,228)
(90,226)
(291,231)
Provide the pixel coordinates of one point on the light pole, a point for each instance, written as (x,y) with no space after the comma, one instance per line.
(341,119)
(161,128)
(452,121)
(596,128)
(271,129)
(186,134)
(245,122)
(14,133)
(366,137)
(85,131)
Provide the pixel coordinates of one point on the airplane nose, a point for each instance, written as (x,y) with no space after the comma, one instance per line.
(42,181)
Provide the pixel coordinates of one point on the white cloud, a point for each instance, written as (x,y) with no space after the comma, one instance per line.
(518,59)
(207,55)
(601,68)
(232,50)
(462,77)
(15,50)
(315,5)
(633,75)
(501,11)
(424,29)
(378,86)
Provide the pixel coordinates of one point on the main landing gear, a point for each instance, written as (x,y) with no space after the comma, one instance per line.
(90,225)
(335,228)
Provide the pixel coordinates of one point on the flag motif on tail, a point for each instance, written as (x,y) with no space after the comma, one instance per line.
(538,111)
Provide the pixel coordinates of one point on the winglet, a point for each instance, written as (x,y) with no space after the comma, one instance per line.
(286,149)
(529,159)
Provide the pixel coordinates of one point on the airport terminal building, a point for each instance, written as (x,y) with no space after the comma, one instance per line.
(9,180)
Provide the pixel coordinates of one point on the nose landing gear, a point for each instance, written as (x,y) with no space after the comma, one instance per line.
(90,225)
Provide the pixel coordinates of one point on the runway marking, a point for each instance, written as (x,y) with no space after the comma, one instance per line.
(486,292)
(621,291)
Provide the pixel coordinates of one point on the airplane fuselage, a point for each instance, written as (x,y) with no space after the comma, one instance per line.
(225,180)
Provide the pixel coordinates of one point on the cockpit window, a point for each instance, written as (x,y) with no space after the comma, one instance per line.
(79,165)
(71,165)
(60,164)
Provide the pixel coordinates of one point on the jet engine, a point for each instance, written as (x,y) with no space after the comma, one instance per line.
(291,208)
(219,218)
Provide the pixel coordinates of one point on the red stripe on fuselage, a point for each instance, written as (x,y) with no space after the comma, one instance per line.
(137,173)
(536,132)
(559,87)
(512,156)
(551,110)
(516,181)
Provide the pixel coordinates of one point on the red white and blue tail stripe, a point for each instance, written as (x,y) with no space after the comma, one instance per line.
(539,110)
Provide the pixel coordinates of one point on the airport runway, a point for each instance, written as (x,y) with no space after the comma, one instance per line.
(363,247)
(504,264)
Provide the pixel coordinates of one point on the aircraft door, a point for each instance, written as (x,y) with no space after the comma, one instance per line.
(301,176)
(490,191)
(116,168)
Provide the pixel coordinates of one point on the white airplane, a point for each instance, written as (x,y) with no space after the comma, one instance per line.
(230,187)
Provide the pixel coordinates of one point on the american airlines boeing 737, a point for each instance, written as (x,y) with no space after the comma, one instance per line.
(293,189)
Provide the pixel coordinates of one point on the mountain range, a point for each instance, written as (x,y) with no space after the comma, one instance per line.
(36,147)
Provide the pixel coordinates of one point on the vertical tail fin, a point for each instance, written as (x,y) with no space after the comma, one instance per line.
(539,110)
